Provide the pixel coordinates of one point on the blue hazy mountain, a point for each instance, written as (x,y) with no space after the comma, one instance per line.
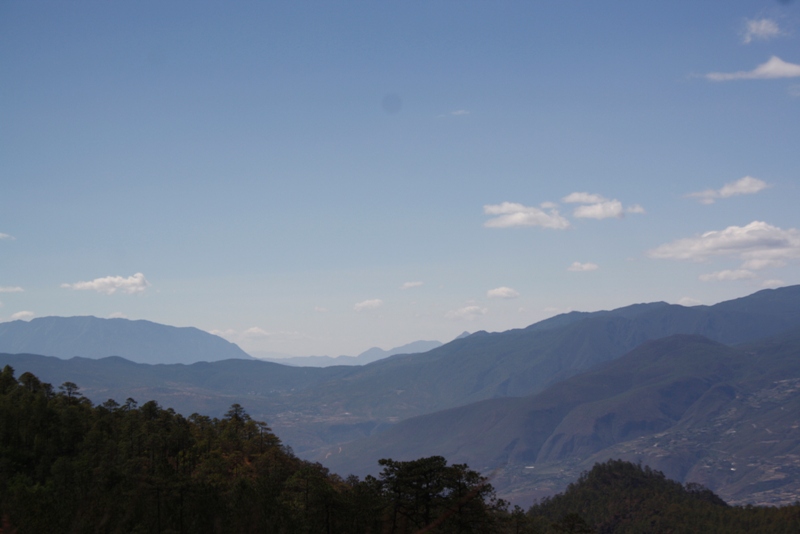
(137,341)
(368,356)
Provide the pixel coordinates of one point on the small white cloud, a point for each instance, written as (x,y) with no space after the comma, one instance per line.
(582,197)
(579,267)
(756,244)
(320,309)
(6,236)
(255,333)
(636,208)
(689,301)
(773,283)
(743,186)
(117,315)
(774,68)
(467,313)
(502,293)
(601,210)
(111,284)
(757,264)
(409,285)
(511,214)
(368,304)
(548,205)
(459,112)
(760,29)
(11,289)
(727,275)
(23,315)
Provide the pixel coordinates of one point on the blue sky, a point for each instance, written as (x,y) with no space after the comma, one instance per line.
(320,178)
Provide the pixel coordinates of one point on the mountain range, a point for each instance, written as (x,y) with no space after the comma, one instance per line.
(705,393)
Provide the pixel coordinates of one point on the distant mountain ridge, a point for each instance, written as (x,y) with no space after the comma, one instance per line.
(368,356)
(138,341)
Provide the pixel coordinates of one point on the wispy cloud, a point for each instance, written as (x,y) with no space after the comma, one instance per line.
(111,284)
(583,198)
(11,289)
(320,309)
(117,315)
(759,30)
(743,186)
(509,214)
(502,293)
(22,315)
(726,275)
(409,285)
(459,112)
(579,267)
(597,206)
(6,236)
(689,301)
(773,283)
(368,304)
(775,67)
(758,245)
(467,313)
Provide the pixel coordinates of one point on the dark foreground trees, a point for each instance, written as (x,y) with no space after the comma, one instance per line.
(69,466)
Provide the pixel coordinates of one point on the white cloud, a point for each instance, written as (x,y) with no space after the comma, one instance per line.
(548,205)
(583,197)
(459,112)
(743,186)
(255,332)
(758,245)
(727,275)
(513,214)
(773,283)
(636,208)
(601,210)
(467,313)
(6,236)
(368,304)
(689,301)
(760,29)
(11,289)
(583,267)
(502,293)
(117,315)
(320,309)
(597,206)
(111,284)
(23,315)
(775,67)
(409,285)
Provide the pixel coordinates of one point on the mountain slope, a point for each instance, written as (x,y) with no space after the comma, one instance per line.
(138,341)
(696,409)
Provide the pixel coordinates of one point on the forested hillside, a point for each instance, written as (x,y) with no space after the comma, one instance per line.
(69,466)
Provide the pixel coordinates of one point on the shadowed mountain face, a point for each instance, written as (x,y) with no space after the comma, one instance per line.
(698,410)
(137,341)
